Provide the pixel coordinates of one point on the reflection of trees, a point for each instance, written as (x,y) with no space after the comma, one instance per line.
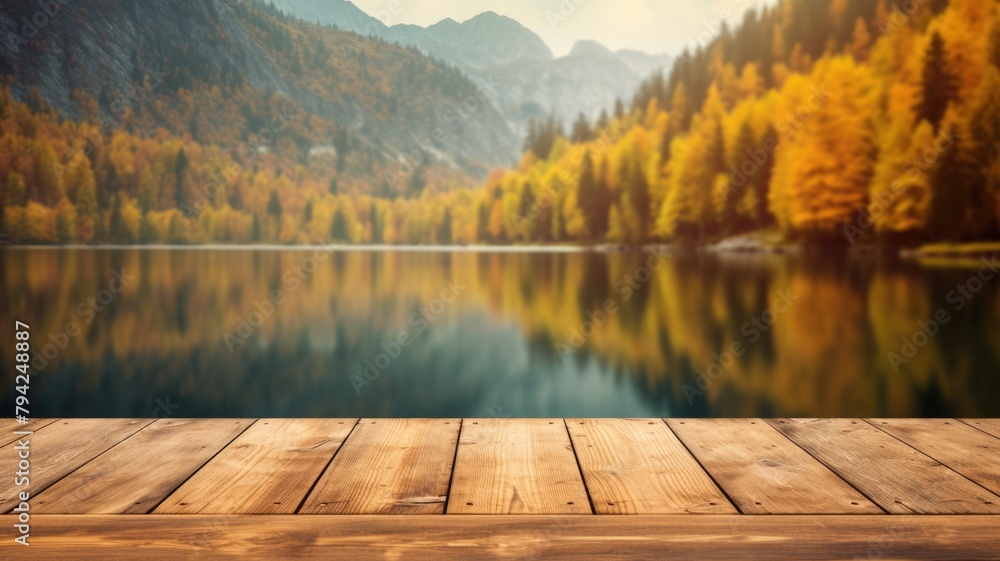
(825,356)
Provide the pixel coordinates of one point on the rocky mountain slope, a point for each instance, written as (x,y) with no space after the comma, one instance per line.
(532,84)
(588,80)
(213,69)
(480,42)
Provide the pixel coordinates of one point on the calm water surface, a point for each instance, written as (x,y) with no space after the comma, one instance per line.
(205,333)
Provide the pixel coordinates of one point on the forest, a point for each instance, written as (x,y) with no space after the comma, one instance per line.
(828,122)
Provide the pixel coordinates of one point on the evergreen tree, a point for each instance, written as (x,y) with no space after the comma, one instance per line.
(581,130)
(641,201)
(444,233)
(274,205)
(950,196)
(235,199)
(308,216)
(995,45)
(761,180)
(984,126)
(17,193)
(116,226)
(147,234)
(180,170)
(376,227)
(594,199)
(680,111)
(743,170)
(603,121)
(939,87)
(417,182)
(338,229)
(542,136)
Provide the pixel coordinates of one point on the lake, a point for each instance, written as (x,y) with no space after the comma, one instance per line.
(293,333)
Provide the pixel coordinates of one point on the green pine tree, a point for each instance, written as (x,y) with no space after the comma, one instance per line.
(939,88)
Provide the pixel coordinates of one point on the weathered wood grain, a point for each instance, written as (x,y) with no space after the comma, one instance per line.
(487,538)
(389,466)
(58,449)
(637,466)
(516,466)
(267,470)
(134,476)
(989,426)
(8,426)
(764,473)
(962,448)
(897,477)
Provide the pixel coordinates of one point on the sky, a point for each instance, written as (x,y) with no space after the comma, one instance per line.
(653,26)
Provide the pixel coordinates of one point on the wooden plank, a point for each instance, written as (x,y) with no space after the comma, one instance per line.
(764,473)
(897,477)
(485,538)
(8,426)
(134,476)
(972,453)
(637,466)
(267,470)
(516,466)
(989,426)
(389,466)
(58,449)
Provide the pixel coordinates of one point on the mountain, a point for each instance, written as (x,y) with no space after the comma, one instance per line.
(485,40)
(218,67)
(588,80)
(495,49)
(339,13)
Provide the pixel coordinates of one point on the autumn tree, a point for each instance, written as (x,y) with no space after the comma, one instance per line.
(833,167)
(900,191)
(17,193)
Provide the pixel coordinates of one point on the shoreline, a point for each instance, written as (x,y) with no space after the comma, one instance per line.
(725,247)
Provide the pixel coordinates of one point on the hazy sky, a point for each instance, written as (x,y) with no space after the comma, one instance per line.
(655,26)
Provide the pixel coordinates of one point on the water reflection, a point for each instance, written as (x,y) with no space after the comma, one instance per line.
(521,338)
